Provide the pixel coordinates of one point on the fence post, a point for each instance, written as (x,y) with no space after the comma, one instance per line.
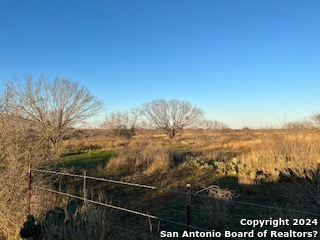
(85,187)
(150,226)
(29,190)
(188,207)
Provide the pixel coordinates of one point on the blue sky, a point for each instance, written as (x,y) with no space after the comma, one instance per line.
(246,63)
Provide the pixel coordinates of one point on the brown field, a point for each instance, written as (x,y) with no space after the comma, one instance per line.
(278,168)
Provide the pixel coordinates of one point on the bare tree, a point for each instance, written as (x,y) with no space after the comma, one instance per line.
(34,117)
(173,115)
(214,125)
(314,121)
(123,123)
(212,128)
(297,125)
(18,148)
(52,108)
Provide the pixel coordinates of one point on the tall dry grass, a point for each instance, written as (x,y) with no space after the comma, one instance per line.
(14,202)
(17,201)
(292,159)
(89,223)
(296,152)
(149,160)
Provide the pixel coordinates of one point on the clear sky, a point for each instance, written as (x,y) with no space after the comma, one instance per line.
(246,63)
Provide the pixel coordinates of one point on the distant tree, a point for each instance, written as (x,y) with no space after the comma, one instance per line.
(314,120)
(123,123)
(172,115)
(214,125)
(51,108)
(297,125)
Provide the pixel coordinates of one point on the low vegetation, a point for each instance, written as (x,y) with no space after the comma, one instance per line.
(277,168)
(85,159)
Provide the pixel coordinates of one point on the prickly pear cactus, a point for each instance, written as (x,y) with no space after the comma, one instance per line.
(28,227)
(196,162)
(55,216)
(72,207)
(220,167)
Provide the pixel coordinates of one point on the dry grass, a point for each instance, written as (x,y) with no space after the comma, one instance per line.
(90,223)
(13,190)
(259,149)
(148,160)
(15,199)
(291,160)
(295,154)
(295,146)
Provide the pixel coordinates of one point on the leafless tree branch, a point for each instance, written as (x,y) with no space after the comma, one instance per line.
(52,107)
(173,115)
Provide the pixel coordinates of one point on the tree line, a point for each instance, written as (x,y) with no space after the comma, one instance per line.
(171,116)
(38,114)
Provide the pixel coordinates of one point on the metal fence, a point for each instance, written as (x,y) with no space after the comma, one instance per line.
(186,194)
